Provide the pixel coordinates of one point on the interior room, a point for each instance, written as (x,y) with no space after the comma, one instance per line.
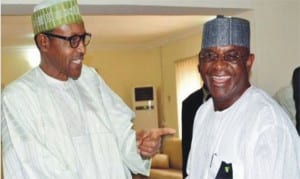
(137,43)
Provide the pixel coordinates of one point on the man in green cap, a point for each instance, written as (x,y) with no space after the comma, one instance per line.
(240,132)
(60,120)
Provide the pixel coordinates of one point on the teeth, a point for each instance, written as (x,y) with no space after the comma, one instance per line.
(77,61)
(220,78)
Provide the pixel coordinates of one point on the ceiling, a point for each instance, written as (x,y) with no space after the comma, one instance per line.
(118,24)
(114,24)
(112,31)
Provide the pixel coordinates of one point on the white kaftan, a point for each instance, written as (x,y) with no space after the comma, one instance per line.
(254,134)
(74,129)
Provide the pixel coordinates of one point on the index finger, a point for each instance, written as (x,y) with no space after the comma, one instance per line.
(165,131)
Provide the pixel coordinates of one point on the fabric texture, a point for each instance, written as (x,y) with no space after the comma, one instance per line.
(223,31)
(54,13)
(254,136)
(74,129)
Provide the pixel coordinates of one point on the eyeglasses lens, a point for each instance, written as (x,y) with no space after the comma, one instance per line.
(75,40)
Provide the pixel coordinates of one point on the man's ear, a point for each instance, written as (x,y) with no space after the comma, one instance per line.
(198,67)
(250,62)
(42,42)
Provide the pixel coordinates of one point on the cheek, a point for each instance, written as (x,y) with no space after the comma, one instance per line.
(64,58)
(204,70)
(241,71)
(61,61)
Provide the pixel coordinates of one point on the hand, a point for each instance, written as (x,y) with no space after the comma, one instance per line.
(149,142)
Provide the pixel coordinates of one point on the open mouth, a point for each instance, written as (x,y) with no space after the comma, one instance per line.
(78,61)
(219,80)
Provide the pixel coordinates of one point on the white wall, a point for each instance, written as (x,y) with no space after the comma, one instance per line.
(276,42)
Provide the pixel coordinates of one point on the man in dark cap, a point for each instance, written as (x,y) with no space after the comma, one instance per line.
(241,132)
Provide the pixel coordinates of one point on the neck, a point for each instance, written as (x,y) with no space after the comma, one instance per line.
(222,104)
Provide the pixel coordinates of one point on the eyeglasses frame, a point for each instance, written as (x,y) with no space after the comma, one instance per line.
(237,58)
(82,38)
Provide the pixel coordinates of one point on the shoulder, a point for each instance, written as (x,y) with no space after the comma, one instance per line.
(23,86)
(297,70)
(296,79)
(266,111)
(259,99)
(23,93)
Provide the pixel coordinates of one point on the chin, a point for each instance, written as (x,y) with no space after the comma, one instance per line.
(75,76)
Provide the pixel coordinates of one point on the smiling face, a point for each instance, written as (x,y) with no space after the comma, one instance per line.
(59,59)
(225,71)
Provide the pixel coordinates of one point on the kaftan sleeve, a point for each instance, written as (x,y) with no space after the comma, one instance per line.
(276,152)
(16,131)
(24,153)
(120,116)
(12,167)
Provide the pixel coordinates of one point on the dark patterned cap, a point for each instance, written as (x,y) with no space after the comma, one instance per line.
(223,31)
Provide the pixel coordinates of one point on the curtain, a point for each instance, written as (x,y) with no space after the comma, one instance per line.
(188,80)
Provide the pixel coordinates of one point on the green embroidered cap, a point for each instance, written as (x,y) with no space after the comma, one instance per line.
(54,13)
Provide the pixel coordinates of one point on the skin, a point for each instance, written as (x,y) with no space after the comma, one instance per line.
(58,59)
(61,62)
(225,80)
(149,142)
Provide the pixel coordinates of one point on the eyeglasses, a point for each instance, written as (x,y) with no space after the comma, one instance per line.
(231,56)
(74,40)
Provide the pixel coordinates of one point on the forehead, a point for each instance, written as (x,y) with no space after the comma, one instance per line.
(70,29)
(223,49)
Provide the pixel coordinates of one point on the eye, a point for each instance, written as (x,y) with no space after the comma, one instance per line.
(75,39)
(232,56)
(208,56)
